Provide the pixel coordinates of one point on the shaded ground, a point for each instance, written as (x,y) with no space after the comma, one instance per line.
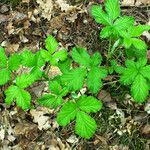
(122,125)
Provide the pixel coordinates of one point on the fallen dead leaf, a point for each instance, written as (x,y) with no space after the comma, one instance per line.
(45,8)
(40,118)
(146,130)
(72,139)
(64,6)
(128,2)
(106,98)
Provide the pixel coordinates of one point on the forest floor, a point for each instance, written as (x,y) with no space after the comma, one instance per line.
(122,124)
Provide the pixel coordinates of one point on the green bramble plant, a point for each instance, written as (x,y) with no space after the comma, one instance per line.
(71,80)
(122,33)
(80,70)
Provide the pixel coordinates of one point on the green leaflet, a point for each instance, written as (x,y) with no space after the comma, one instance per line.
(136,31)
(14,62)
(74,78)
(24,80)
(21,97)
(89,104)
(28,58)
(51,44)
(67,113)
(100,16)
(5,76)
(140,89)
(3,58)
(123,23)
(95,59)
(112,8)
(51,101)
(81,56)
(94,77)
(85,125)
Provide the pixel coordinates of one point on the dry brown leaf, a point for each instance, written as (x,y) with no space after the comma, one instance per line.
(128,2)
(39,117)
(45,7)
(64,6)
(146,130)
(25,1)
(10,28)
(106,98)
(140,2)
(12,48)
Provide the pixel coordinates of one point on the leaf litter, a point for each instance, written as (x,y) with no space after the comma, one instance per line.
(38,129)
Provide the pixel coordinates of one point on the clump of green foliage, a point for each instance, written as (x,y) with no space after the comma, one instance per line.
(80,70)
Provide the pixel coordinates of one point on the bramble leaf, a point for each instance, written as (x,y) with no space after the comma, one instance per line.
(96,59)
(51,44)
(3,58)
(100,16)
(22,97)
(24,80)
(74,78)
(65,65)
(136,31)
(60,55)
(28,59)
(112,8)
(89,104)
(145,71)
(106,31)
(51,101)
(67,113)
(85,125)
(45,55)
(14,62)
(139,44)
(55,87)
(5,76)
(123,23)
(139,89)
(81,56)
(94,77)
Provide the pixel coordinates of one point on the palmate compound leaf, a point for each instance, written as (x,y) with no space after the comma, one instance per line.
(3,58)
(94,77)
(22,97)
(85,125)
(5,76)
(67,113)
(89,104)
(137,74)
(74,78)
(112,8)
(140,89)
(51,44)
(49,100)
(81,56)
(100,16)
